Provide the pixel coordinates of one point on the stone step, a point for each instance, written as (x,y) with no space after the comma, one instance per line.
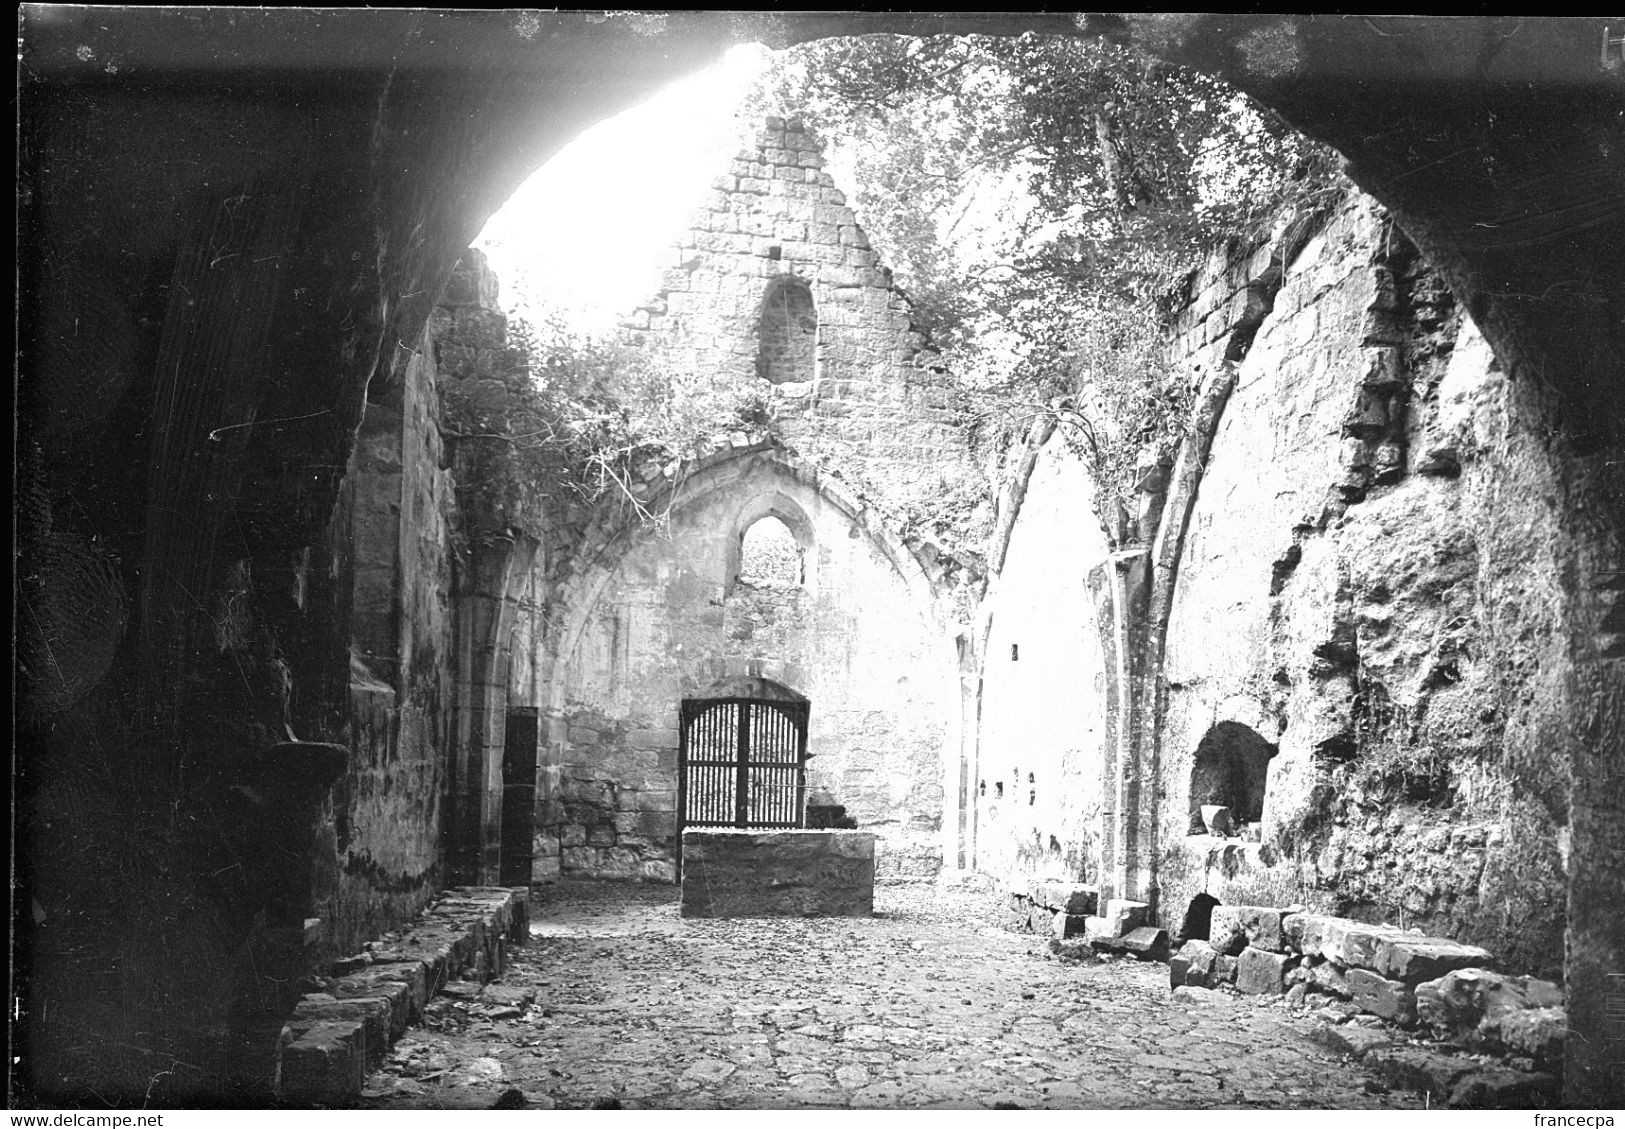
(1389,952)
(1145,943)
(1234,928)
(324,1062)
(372,1012)
(1260,972)
(1199,965)
(1066,897)
(338,1033)
(1415,959)
(1119,918)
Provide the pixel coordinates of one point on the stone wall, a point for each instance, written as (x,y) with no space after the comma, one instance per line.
(393,525)
(441,604)
(1347,594)
(1363,623)
(662,618)
(1041,750)
(851,384)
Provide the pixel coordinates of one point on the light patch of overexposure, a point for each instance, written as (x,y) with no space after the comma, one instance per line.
(589,232)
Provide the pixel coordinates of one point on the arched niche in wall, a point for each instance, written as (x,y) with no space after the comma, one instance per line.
(787,333)
(1230,770)
(771,546)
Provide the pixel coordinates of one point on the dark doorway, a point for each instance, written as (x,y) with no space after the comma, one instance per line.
(1198,923)
(519,796)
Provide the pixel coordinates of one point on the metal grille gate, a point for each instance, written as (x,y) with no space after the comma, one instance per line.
(742,763)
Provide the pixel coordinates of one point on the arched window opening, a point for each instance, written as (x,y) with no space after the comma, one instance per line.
(769,556)
(1231,769)
(787,333)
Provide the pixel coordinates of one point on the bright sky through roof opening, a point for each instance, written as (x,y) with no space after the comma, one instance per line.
(591,229)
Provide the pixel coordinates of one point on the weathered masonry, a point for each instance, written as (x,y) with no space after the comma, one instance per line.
(1328,634)
(268,706)
(778,574)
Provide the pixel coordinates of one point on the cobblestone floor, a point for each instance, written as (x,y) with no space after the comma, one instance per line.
(617,1001)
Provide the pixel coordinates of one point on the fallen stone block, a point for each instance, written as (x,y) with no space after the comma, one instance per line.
(1327,977)
(434,951)
(1261,973)
(1126,916)
(1197,959)
(1349,943)
(1180,962)
(1068,897)
(1505,1088)
(1040,920)
(1458,1001)
(1379,996)
(1098,929)
(1415,959)
(413,973)
(372,1013)
(463,989)
(1415,1068)
(1316,934)
(1234,928)
(1536,1032)
(1066,925)
(1225,932)
(344,966)
(1350,1039)
(1144,943)
(322,1062)
(1361,944)
(397,993)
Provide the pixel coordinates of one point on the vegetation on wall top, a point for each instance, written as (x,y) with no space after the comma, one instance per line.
(1040,198)
(564,421)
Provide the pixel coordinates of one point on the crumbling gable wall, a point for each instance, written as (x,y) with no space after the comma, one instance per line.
(776,286)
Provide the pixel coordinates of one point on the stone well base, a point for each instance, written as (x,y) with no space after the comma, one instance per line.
(778,873)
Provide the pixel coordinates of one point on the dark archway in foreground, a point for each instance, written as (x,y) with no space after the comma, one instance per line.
(271,202)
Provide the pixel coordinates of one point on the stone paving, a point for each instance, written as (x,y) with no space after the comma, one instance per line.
(617,1002)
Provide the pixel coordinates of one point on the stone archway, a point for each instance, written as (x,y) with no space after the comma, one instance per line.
(368,188)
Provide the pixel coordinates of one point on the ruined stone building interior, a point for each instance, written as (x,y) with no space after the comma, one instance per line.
(1337,713)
